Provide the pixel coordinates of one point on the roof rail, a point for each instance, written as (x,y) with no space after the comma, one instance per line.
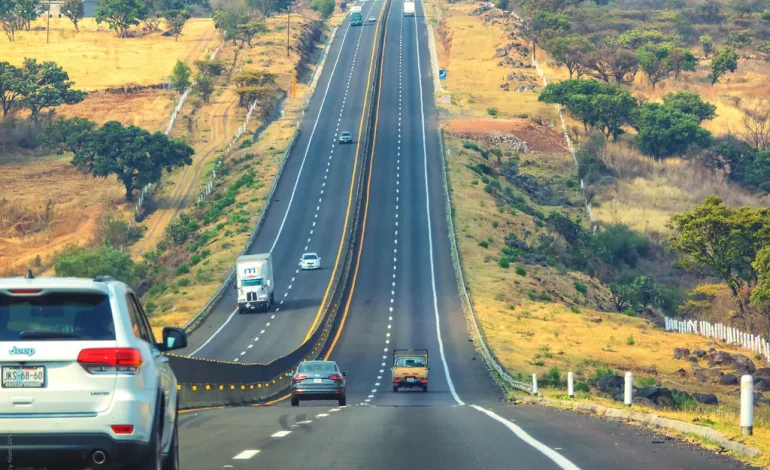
(103,279)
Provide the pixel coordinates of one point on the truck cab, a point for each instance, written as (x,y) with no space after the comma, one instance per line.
(356,19)
(254,282)
(410,369)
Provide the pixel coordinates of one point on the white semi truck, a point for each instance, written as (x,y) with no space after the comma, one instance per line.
(355,16)
(254,282)
(408,8)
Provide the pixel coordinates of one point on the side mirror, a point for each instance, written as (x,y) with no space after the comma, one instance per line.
(173,338)
(344,374)
(291,374)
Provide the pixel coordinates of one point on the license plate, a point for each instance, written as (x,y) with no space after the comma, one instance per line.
(318,381)
(410,379)
(24,377)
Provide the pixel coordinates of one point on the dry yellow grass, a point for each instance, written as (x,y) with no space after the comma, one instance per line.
(149,109)
(473,76)
(533,336)
(96,58)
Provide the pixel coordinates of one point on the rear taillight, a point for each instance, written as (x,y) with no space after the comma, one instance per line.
(395,381)
(25,291)
(335,377)
(299,377)
(424,381)
(123,428)
(110,360)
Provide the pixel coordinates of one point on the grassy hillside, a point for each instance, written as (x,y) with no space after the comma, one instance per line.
(514,188)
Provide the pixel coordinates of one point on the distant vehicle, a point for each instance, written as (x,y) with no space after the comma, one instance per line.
(346,137)
(355,16)
(254,282)
(408,8)
(84,382)
(410,369)
(372,19)
(310,261)
(318,380)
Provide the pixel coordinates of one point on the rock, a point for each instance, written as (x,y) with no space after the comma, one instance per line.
(760,399)
(721,358)
(692,359)
(761,384)
(713,374)
(611,384)
(681,373)
(706,398)
(744,363)
(699,353)
(728,379)
(652,370)
(763,372)
(645,402)
(700,376)
(595,319)
(681,353)
(540,193)
(658,395)
(506,86)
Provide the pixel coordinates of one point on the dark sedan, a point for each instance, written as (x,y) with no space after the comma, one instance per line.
(318,380)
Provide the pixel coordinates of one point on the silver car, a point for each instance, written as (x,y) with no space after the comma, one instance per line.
(318,380)
(346,137)
(310,261)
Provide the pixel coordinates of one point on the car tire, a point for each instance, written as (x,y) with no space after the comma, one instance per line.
(272,297)
(154,460)
(343,400)
(171,462)
(424,388)
(395,388)
(294,400)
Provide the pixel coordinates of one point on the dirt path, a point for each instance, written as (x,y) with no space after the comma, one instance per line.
(187,183)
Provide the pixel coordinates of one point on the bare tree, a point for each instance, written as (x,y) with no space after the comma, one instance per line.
(755,126)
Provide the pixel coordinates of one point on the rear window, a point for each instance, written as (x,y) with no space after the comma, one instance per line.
(317,367)
(56,316)
(309,257)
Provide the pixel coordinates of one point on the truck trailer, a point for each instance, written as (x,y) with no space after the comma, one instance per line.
(254,282)
(408,8)
(355,16)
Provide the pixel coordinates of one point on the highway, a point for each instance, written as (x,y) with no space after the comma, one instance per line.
(307,213)
(404,295)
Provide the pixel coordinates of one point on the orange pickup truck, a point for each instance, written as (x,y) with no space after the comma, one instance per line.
(410,369)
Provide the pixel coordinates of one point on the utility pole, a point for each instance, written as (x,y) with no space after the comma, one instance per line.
(48,28)
(288,29)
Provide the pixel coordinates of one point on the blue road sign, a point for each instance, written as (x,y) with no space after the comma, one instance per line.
(442,74)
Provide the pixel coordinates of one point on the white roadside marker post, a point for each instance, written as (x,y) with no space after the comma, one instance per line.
(628,390)
(747,405)
(571,384)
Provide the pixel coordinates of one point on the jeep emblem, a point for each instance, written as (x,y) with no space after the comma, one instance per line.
(21,351)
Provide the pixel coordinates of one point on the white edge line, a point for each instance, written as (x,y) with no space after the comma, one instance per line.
(557,458)
(430,233)
(192,354)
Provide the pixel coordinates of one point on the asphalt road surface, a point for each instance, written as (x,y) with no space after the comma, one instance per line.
(405,296)
(307,213)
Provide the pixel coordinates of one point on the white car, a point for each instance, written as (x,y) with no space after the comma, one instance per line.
(84,383)
(310,261)
(372,19)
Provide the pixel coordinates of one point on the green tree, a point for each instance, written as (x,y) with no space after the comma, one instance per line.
(175,20)
(211,68)
(546,25)
(713,239)
(681,60)
(646,292)
(120,15)
(501,4)
(26,11)
(265,7)
(601,105)
(324,7)
(569,50)
(691,103)
(682,24)
(765,16)
(250,30)
(46,85)
(745,7)
(725,61)
(180,76)
(760,297)
(666,131)
(74,11)
(253,85)
(11,80)
(227,20)
(69,135)
(622,296)
(79,261)
(134,155)
(16,15)
(204,86)
(707,44)
(653,60)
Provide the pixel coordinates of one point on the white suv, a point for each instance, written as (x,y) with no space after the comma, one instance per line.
(84,383)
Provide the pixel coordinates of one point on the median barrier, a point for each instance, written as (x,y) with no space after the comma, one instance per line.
(206,382)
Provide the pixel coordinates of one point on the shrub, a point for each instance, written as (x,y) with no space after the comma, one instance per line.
(182,269)
(79,261)
(484,244)
(495,224)
(630,341)
(503,262)
(580,287)
(492,111)
(521,271)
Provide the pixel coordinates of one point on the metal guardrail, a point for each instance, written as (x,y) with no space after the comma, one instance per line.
(489,357)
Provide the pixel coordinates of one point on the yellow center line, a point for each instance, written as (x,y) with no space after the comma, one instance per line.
(366,208)
(352,185)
